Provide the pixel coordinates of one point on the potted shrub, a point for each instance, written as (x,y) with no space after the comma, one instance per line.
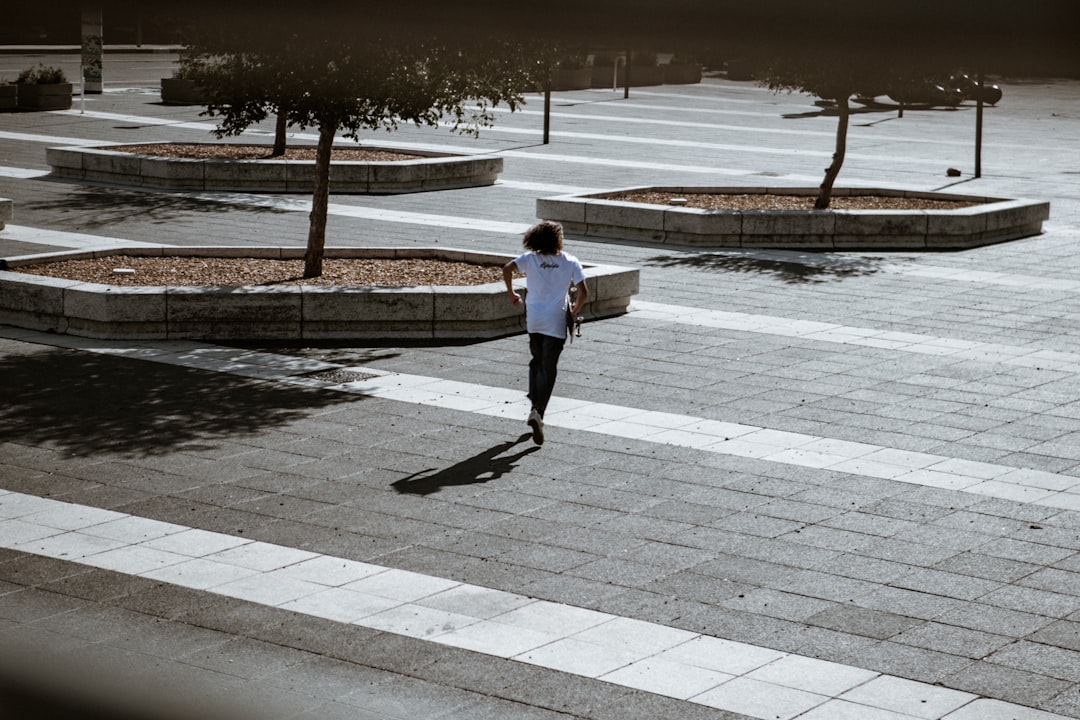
(8,95)
(43,88)
(682,70)
(181,90)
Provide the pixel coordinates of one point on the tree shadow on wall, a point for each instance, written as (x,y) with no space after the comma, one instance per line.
(99,206)
(480,468)
(796,269)
(89,404)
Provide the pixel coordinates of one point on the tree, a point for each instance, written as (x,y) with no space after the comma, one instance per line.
(838,76)
(340,83)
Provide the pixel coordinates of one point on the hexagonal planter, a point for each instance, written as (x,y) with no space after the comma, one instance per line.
(282,312)
(990,220)
(432,171)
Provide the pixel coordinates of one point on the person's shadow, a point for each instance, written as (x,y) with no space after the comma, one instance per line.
(480,468)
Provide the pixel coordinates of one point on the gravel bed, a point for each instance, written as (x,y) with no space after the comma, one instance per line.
(765,201)
(236,272)
(230,151)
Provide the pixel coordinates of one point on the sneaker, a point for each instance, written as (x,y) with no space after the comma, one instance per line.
(537,424)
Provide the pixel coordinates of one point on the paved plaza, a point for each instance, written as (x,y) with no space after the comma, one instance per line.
(825,486)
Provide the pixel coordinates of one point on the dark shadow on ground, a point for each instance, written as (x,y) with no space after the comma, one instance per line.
(795,269)
(831,111)
(100,206)
(480,468)
(90,404)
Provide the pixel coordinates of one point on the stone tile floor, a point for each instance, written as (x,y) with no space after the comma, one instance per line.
(786,485)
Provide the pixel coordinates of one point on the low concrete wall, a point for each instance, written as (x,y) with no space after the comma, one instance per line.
(7,211)
(434,171)
(282,312)
(993,220)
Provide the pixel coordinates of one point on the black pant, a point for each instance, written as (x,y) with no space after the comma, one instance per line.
(543,368)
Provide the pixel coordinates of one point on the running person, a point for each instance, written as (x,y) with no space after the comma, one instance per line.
(549,274)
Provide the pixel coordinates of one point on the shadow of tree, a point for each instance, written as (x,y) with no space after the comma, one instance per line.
(100,206)
(829,109)
(90,404)
(796,269)
(480,468)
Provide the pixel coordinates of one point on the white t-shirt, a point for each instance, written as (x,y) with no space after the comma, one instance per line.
(547,278)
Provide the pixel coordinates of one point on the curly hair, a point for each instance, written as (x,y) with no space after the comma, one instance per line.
(544,237)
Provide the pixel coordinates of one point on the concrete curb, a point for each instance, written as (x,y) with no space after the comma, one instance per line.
(994,220)
(435,171)
(281,312)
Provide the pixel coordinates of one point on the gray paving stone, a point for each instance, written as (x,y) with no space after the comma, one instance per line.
(1010,684)
(30,605)
(950,639)
(990,619)
(1059,634)
(946,584)
(864,622)
(927,666)
(909,603)
(1054,662)
(637,497)
(34,570)
(778,604)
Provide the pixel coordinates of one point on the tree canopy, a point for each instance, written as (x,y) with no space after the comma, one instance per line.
(343,84)
(838,75)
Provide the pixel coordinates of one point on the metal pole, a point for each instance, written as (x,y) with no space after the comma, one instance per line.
(979,126)
(626,76)
(547,112)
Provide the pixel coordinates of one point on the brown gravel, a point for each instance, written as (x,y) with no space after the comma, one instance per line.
(229,151)
(765,201)
(235,272)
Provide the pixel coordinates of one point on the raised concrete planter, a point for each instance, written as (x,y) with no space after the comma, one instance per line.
(605,76)
(9,97)
(282,312)
(49,96)
(993,220)
(7,211)
(178,91)
(681,74)
(434,171)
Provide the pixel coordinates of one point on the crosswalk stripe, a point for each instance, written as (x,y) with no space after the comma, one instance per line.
(658,659)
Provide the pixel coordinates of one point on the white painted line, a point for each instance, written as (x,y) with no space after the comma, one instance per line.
(60,238)
(863,337)
(48,139)
(22,173)
(675,663)
(999,481)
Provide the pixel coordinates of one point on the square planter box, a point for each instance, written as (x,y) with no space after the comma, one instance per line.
(572,79)
(681,74)
(178,91)
(9,96)
(54,96)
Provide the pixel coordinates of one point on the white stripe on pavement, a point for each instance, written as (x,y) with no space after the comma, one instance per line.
(1023,356)
(71,240)
(1006,482)
(701,669)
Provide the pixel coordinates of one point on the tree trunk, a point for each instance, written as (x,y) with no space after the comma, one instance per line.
(825,191)
(320,200)
(279,133)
